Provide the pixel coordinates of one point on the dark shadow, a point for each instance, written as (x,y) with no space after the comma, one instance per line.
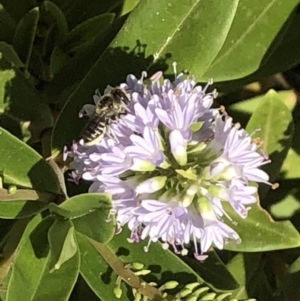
(38,177)
(253,266)
(218,277)
(39,238)
(106,277)
(82,291)
(5,227)
(122,252)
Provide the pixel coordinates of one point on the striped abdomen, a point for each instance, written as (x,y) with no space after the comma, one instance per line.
(95,129)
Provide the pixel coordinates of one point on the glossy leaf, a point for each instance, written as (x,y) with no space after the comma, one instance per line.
(16,235)
(23,167)
(295,266)
(82,204)
(245,268)
(293,158)
(17,100)
(275,121)
(213,271)
(21,209)
(78,12)
(94,270)
(286,54)
(283,203)
(10,54)
(66,80)
(89,214)
(158,17)
(259,233)
(59,17)
(24,35)
(62,243)
(31,279)
(85,33)
(163,264)
(17,9)
(58,59)
(7,25)
(195,49)
(128,6)
(255,26)
(289,98)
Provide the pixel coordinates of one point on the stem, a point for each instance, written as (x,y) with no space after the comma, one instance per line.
(27,194)
(127,276)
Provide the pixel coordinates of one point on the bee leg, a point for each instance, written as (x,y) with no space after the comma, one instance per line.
(110,133)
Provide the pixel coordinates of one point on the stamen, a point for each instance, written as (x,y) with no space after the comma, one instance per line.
(209,83)
(255,131)
(174,64)
(214,93)
(146,248)
(275,186)
(165,246)
(184,252)
(144,74)
(65,153)
(112,211)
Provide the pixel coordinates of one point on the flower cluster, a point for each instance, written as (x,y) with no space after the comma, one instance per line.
(171,165)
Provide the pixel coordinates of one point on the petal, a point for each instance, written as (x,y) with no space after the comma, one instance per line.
(165,118)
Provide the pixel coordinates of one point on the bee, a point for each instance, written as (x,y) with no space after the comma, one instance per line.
(109,109)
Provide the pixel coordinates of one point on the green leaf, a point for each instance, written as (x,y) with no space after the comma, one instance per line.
(77,12)
(83,35)
(249,106)
(89,214)
(259,233)
(128,6)
(94,270)
(17,98)
(283,203)
(62,243)
(58,59)
(293,158)
(17,9)
(196,50)
(276,123)
(213,271)
(295,266)
(24,35)
(15,194)
(15,237)
(245,268)
(22,166)
(66,80)
(10,54)
(266,19)
(31,279)
(164,265)
(59,17)
(81,205)
(286,54)
(289,287)
(21,209)
(7,25)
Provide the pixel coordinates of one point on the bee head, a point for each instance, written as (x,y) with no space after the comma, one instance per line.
(120,95)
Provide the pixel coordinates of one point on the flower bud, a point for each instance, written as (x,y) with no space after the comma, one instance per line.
(151,185)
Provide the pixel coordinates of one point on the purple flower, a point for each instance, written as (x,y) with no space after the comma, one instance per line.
(173,164)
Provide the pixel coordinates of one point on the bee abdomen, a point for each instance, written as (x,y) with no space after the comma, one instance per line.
(94,130)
